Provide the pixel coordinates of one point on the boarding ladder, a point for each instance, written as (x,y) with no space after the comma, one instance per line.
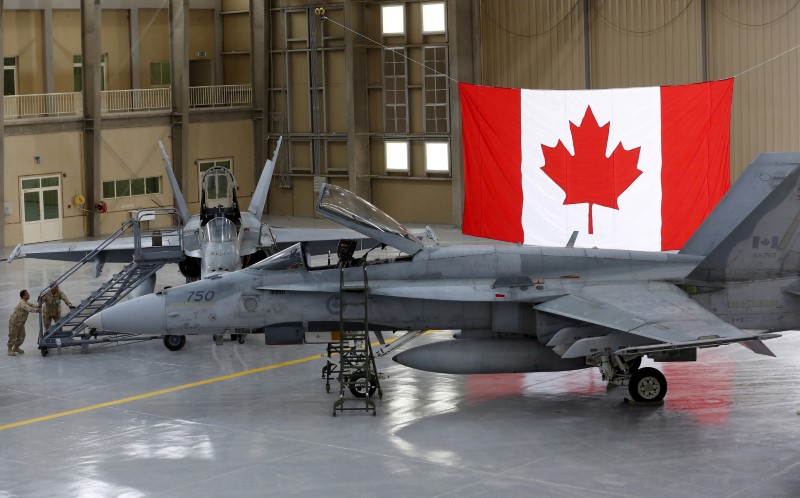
(150,253)
(357,370)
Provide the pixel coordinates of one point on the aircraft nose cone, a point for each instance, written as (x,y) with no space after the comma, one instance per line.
(143,315)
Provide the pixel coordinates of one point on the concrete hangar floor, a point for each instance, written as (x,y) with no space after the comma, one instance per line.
(139,420)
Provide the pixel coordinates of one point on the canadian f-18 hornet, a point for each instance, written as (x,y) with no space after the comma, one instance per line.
(522,308)
(221,238)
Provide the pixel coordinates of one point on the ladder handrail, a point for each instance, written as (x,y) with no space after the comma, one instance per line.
(114,236)
(103,245)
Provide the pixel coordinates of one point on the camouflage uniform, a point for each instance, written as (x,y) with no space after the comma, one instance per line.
(16,325)
(51,307)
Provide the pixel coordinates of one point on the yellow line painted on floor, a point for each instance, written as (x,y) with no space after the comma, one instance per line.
(167,391)
(157,393)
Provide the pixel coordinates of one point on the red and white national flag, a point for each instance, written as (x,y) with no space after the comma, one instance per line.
(631,168)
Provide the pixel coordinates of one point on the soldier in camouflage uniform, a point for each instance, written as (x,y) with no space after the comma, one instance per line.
(51,303)
(16,324)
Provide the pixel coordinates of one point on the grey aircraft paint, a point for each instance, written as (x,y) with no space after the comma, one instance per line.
(522,308)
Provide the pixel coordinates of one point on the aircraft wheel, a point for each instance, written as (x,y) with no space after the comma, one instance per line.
(359,386)
(647,385)
(174,342)
(44,351)
(634,364)
(241,338)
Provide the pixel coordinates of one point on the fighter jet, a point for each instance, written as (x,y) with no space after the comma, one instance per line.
(214,240)
(520,308)
(220,238)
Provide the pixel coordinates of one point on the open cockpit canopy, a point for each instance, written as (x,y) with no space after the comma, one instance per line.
(218,196)
(351,211)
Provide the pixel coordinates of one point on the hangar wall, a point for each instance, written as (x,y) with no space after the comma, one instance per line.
(336,100)
(660,42)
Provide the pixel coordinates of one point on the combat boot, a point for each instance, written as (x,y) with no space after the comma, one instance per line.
(18,350)
(11,352)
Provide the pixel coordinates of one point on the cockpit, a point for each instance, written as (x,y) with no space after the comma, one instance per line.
(299,257)
(218,196)
(351,211)
(395,242)
(219,229)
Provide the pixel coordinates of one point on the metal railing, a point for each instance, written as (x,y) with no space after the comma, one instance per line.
(220,96)
(41,105)
(148,99)
(118,101)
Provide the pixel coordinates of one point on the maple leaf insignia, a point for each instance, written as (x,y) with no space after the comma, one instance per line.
(589,176)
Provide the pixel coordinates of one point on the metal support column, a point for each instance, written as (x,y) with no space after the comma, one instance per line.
(2,145)
(92,140)
(462,68)
(355,61)
(260,67)
(179,67)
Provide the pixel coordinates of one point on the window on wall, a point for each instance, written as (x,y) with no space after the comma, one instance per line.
(437,157)
(433,17)
(395,90)
(131,187)
(77,72)
(396,156)
(9,75)
(435,90)
(160,73)
(393,20)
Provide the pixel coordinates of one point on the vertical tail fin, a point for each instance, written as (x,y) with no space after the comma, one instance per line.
(753,233)
(259,200)
(180,202)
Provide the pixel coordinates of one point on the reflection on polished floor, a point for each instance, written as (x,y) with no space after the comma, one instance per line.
(140,420)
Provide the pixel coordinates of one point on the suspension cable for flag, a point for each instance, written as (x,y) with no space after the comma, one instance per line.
(767,61)
(321,13)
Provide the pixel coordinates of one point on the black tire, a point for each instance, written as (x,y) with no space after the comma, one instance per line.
(44,351)
(174,342)
(358,387)
(241,338)
(647,385)
(634,364)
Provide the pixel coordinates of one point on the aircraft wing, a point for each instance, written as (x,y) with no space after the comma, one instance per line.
(119,251)
(624,317)
(658,315)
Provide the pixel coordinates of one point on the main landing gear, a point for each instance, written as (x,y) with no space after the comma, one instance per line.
(645,385)
(174,342)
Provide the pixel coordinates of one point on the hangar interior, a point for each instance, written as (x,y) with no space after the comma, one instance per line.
(364,94)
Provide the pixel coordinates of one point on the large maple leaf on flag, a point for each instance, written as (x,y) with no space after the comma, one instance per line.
(589,176)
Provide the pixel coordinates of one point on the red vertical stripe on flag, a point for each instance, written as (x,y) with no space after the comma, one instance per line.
(695,151)
(492,162)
